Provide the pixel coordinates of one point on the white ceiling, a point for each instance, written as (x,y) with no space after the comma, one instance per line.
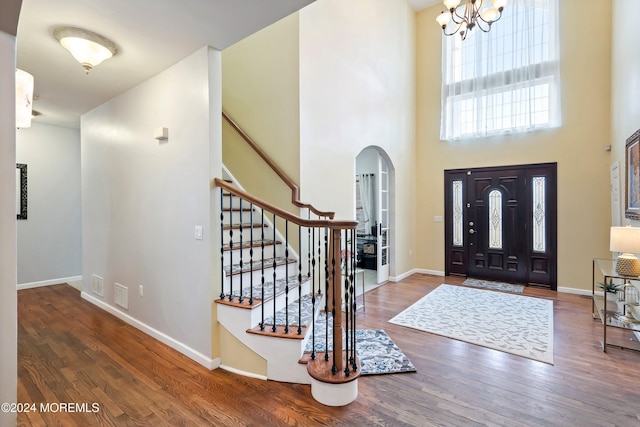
(151,35)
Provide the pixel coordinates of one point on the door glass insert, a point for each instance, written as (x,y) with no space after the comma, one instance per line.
(539,214)
(458,226)
(495,219)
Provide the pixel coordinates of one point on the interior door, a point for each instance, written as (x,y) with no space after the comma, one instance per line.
(500,223)
(383,243)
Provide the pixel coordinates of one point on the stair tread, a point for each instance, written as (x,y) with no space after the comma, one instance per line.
(244,225)
(297,329)
(256,265)
(252,244)
(237,209)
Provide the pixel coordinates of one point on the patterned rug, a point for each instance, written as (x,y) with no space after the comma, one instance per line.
(498,286)
(513,324)
(377,352)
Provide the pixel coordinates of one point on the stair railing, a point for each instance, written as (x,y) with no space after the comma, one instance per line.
(330,250)
(295,190)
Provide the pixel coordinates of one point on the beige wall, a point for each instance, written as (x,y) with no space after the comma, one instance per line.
(260,92)
(625,87)
(357,74)
(577,147)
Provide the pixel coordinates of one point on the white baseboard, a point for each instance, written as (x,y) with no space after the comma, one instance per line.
(48,282)
(414,271)
(243,373)
(574,291)
(192,354)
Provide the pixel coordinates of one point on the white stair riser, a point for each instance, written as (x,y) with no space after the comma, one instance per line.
(257,276)
(234,217)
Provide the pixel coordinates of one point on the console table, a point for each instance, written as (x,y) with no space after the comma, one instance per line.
(605,309)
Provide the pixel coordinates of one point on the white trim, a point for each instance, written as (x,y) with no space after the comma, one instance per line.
(575,291)
(192,354)
(243,373)
(414,271)
(48,282)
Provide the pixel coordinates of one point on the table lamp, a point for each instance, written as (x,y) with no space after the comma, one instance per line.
(627,241)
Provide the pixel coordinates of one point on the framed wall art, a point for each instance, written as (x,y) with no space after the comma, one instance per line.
(632,178)
(21,191)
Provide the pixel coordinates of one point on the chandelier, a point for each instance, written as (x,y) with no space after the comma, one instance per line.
(463,19)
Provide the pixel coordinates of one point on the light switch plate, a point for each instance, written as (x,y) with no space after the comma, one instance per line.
(198,232)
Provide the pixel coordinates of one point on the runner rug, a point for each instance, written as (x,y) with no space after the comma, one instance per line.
(510,323)
(498,286)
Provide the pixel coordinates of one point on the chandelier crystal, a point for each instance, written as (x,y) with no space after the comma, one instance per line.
(462,19)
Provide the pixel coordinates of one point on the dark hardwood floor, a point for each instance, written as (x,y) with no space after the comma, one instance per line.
(71,351)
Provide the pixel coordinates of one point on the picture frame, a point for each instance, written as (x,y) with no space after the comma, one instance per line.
(21,191)
(632,177)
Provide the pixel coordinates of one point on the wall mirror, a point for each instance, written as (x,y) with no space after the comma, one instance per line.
(21,191)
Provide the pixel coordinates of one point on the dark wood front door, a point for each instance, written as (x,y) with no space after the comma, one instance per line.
(501,223)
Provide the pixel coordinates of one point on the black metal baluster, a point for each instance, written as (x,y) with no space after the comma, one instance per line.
(262,270)
(300,280)
(251,252)
(334,367)
(313,296)
(309,246)
(286,275)
(326,292)
(274,265)
(347,301)
(231,246)
(222,273)
(241,299)
(354,248)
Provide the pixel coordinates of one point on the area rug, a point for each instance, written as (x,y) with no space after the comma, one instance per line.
(498,286)
(377,352)
(510,323)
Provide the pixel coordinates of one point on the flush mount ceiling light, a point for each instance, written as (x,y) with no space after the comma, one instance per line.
(89,48)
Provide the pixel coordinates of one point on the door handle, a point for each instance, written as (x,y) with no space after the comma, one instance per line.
(471,231)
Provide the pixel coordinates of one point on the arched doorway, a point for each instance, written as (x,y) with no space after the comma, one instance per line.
(375,180)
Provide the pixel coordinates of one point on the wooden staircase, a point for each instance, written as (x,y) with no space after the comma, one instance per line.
(274,286)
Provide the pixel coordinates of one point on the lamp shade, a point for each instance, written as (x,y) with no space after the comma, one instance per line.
(24,98)
(625,240)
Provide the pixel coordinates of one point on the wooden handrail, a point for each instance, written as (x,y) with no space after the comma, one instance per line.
(295,190)
(323,223)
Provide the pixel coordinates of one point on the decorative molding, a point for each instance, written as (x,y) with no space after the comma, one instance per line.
(48,282)
(192,354)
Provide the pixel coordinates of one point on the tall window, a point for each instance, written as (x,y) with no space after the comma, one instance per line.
(506,80)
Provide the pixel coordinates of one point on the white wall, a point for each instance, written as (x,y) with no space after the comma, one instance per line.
(357,88)
(142,198)
(50,239)
(8,292)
